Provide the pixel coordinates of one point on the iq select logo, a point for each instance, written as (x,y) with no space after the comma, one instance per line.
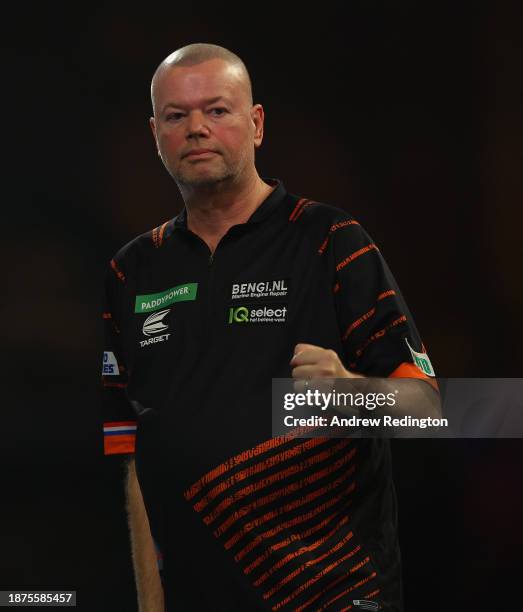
(272,313)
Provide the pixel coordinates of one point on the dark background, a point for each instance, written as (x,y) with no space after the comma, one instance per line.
(407,114)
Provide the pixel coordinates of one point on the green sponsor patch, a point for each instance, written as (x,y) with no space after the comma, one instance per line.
(421,360)
(271,313)
(155,301)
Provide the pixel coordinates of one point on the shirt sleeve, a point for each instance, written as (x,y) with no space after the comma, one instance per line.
(379,336)
(119,417)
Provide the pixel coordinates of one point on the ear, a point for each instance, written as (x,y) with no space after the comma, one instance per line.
(258,118)
(152,123)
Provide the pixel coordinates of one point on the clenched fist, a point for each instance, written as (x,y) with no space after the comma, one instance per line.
(314,362)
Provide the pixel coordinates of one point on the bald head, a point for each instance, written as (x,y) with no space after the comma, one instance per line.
(198,53)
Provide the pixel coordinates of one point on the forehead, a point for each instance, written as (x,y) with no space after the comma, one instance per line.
(191,85)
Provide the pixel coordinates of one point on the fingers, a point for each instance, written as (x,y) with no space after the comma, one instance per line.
(316,362)
(305,371)
(317,368)
(324,369)
(306,354)
(303,346)
(323,385)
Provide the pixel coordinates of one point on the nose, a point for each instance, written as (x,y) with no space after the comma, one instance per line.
(196,125)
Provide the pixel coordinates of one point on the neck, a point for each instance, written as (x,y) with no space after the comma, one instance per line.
(213,210)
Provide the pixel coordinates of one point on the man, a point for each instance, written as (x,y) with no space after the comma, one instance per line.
(243,521)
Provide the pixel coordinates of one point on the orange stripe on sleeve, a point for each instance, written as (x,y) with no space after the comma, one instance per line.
(119,423)
(160,236)
(385,294)
(367,315)
(115,445)
(355,255)
(117,271)
(380,334)
(358,322)
(333,228)
(409,370)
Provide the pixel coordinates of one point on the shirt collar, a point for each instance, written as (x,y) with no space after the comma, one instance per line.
(268,205)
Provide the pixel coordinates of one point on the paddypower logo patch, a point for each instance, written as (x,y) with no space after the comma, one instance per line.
(155,301)
(421,360)
(274,313)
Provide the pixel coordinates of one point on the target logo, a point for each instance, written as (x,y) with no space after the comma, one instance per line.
(154,323)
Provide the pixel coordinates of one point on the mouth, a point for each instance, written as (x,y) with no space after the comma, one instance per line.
(199,154)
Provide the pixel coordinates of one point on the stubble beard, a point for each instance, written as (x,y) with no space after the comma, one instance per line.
(190,177)
(192,181)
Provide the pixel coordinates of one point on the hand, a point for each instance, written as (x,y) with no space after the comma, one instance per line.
(314,362)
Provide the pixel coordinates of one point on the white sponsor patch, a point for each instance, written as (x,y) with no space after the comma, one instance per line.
(260,289)
(276,313)
(110,365)
(154,340)
(421,360)
(154,323)
(366,604)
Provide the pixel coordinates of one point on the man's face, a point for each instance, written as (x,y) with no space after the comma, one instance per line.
(205,107)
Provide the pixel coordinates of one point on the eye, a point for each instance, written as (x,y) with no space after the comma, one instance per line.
(174,116)
(218,111)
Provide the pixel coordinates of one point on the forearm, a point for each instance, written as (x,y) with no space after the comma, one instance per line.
(147,575)
(390,397)
(412,397)
(317,368)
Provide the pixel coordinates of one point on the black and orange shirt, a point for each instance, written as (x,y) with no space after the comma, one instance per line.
(244,521)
